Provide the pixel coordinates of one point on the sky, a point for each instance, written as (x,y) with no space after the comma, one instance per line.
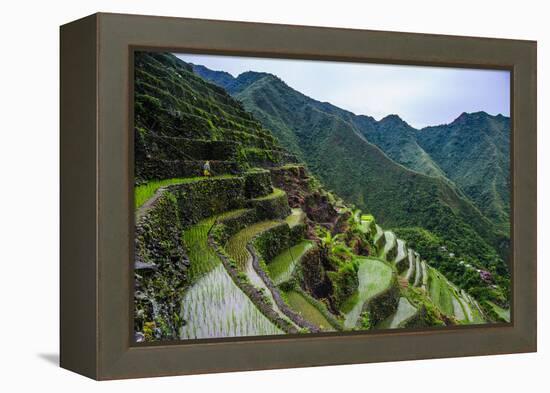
(420,95)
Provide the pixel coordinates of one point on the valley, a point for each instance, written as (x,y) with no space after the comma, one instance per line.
(271,238)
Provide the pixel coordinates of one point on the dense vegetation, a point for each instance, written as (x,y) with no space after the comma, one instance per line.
(334,142)
(257,244)
(474,152)
(398,140)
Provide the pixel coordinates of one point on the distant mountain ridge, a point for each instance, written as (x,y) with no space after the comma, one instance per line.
(478,164)
(474,152)
(235,236)
(381,166)
(398,140)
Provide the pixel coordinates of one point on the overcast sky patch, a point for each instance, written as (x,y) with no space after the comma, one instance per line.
(420,95)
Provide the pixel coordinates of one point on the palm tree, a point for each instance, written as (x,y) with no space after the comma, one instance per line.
(342,250)
(334,244)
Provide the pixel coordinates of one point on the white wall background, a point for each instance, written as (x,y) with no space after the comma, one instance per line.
(29,196)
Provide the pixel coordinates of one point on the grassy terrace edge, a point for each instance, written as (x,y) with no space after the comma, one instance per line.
(263,304)
(146,191)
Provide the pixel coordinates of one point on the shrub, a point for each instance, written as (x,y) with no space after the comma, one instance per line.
(344,283)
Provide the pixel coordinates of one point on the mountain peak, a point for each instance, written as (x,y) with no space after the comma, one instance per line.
(253,76)
(391,117)
(465,116)
(394,120)
(476,114)
(220,78)
(198,68)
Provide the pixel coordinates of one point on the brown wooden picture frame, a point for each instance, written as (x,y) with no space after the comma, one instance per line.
(97,202)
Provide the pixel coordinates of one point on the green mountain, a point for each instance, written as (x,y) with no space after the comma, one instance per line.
(235,237)
(335,145)
(398,140)
(219,78)
(474,152)
(395,137)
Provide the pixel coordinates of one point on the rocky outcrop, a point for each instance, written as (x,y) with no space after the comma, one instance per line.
(257,183)
(207,197)
(294,180)
(160,271)
(315,279)
(384,304)
(319,208)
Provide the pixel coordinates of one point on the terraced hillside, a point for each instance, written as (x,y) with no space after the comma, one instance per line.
(181,121)
(397,182)
(398,174)
(255,245)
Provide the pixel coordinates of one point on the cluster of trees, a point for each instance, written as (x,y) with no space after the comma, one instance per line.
(485,280)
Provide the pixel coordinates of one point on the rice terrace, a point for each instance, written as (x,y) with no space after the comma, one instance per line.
(262,211)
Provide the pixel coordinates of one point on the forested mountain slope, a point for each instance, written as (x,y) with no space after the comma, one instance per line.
(395,137)
(474,152)
(235,237)
(398,140)
(334,144)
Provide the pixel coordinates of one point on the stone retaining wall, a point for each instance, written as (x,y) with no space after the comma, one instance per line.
(193,149)
(160,271)
(383,304)
(170,169)
(202,199)
(271,207)
(257,183)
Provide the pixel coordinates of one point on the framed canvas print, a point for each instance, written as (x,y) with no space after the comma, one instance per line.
(240,196)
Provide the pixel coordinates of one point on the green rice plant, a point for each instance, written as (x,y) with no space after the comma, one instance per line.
(405,310)
(475,315)
(389,245)
(280,269)
(236,245)
(215,307)
(439,292)
(374,276)
(501,312)
(236,248)
(203,258)
(295,218)
(450,300)
(297,302)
